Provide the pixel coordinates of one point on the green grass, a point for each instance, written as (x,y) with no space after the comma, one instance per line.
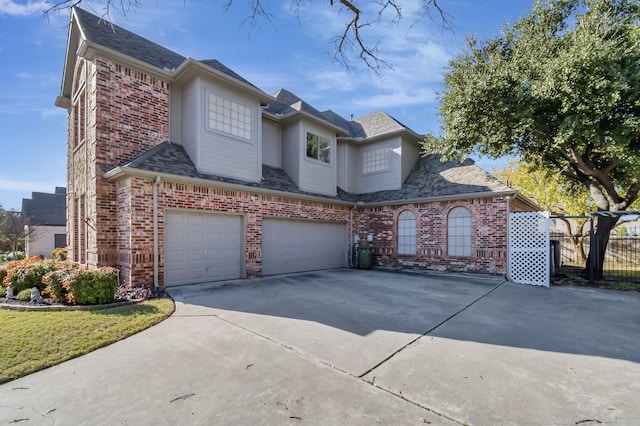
(32,340)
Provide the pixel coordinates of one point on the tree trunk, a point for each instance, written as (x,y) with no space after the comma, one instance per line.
(599,242)
(578,249)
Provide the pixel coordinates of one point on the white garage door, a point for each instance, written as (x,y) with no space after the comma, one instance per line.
(297,246)
(201,247)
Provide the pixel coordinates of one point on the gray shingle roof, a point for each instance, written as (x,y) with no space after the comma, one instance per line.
(430,178)
(287,103)
(111,36)
(104,33)
(46,209)
(170,158)
(379,123)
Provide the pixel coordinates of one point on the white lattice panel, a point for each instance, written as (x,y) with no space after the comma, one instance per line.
(529,248)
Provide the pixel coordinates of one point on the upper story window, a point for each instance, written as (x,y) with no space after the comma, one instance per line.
(376,160)
(228,116)
(318,148)
(459,232)
(407,232)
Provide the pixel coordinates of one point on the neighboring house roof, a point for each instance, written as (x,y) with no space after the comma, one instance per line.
(46,209)
(429,179)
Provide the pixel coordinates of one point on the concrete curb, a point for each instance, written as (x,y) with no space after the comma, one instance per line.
(4,306)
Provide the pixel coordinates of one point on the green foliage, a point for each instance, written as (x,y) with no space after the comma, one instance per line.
(91,286)
(24,295)
(622,231)
(28,273)
(65,281)
(560,89)
(551,191)
(3,292)
(53,280)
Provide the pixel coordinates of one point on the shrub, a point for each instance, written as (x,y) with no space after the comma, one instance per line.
(28,273)
(59,253)
(24,295)
(53,280)
(3,273)
(91,286)
(3,292)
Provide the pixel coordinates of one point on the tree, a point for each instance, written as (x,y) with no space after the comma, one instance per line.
(560,89)
(12,230)
(555,193)
(352,41)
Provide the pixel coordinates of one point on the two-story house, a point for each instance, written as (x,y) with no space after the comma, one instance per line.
(181,171)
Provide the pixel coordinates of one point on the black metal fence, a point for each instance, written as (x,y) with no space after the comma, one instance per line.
(621,262)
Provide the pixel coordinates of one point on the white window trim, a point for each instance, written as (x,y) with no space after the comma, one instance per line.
(465,247)
(315,160)
(388,160)
(208,93)
(414,236)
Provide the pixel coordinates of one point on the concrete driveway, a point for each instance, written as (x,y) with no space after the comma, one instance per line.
(357,347)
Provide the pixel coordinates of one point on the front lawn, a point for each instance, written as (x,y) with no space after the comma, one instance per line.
(32,340)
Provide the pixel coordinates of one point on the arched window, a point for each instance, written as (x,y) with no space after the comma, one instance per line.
(407,232)
(459,232)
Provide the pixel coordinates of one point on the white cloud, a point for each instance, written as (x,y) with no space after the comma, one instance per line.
(393,99)
(9,7)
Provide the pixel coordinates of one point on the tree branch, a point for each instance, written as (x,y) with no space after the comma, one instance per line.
(599,175)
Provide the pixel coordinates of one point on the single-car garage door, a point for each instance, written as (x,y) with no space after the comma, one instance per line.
(201,247)
(301,245)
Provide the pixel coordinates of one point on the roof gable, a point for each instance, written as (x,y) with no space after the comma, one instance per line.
(101,32)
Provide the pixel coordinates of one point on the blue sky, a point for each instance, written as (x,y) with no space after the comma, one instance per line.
(290,51)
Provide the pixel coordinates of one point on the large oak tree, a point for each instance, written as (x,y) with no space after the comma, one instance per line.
(560,88)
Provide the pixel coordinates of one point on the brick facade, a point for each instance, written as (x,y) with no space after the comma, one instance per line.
(135,220)
(488,252)
(126,112)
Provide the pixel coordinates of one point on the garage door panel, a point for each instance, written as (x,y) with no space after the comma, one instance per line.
(202,247)
(296,246)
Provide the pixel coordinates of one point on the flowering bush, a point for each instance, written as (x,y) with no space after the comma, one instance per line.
(59,253)
(54,280)
(27,273)
(62,281)
(91,286)
(3,273)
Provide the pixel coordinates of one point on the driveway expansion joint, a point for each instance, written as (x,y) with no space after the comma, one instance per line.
(431,330)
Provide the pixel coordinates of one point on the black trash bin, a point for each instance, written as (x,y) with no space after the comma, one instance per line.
(365,257)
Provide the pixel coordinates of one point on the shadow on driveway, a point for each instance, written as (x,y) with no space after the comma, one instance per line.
(465,307)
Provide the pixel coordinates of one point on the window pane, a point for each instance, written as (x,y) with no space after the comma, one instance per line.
(325,150)
(459,232)
(312,146)
(407,232)
(228,116)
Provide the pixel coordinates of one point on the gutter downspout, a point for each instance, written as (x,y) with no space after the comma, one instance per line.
(155,233)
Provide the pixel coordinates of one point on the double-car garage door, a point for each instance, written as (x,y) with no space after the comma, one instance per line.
(202,247)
